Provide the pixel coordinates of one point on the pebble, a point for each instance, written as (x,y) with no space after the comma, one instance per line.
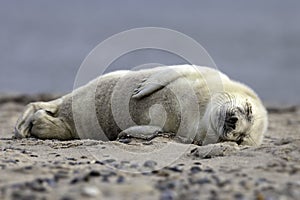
(202,181)
(134,166)
(197,163)
(24,195)
(167,195)
(96,162)
(209,170)
(162,173)
(166,185)
(175,169)
(120,179)
(67,198)
(238,196)
(94,173)
(61,174)
(125,140)
(109,161)
(72,159)
(195,169)
(150,164)
(147,143)
(90,191)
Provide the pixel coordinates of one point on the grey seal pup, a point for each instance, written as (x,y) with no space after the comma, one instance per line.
(194,104)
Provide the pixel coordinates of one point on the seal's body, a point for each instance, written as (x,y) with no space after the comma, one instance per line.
(197,104)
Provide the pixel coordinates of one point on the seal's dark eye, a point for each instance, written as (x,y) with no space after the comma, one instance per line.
(240,141)
(230,122)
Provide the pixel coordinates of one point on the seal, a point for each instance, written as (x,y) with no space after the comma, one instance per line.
(190,103)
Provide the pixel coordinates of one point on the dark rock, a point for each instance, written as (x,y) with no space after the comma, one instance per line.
(61,174)
(23,195)
(209,170)
(120,179)
(238,196)
(166,185)
(202,181)
(147,143)
(174,168)
(150,164)
(94,173)
(167,195)
(197,163)
(72,159)
(195,169)
(134,166)
(109,161)
(125,140)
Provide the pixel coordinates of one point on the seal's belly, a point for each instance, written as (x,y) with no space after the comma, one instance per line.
(117,111)
(169,107)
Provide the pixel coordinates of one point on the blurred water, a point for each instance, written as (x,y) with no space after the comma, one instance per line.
(42,43)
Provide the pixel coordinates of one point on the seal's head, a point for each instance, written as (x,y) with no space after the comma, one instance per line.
(239,119)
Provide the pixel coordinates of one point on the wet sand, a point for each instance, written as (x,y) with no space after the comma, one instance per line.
(88,169)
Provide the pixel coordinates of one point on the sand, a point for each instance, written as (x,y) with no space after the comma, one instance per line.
(159,169)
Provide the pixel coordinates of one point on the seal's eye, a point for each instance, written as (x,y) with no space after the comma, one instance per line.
(230,122)
(240,141)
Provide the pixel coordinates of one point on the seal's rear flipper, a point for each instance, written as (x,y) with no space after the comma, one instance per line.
(146,132)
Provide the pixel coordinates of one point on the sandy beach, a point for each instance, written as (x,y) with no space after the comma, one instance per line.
(158,169)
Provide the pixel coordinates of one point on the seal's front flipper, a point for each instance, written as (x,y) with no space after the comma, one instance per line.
(146,132)
(146,88)
(161,79)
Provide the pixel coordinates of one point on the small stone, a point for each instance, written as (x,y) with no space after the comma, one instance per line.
(167,195)
(109,160)
(90,191)
(147,143)
(238,196)
(72,163)
(125,140)
(134,166)
(94,173)
(202,181)
(120,179)
(209,170)
(72,159)
(24,195)
(174,168)
(197,163)
(96,162)
(163,173)
(67,198)
(75,180)
(150,164)
(260,196)
(105,179)
(61,174)
(195,169)
(37,186)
